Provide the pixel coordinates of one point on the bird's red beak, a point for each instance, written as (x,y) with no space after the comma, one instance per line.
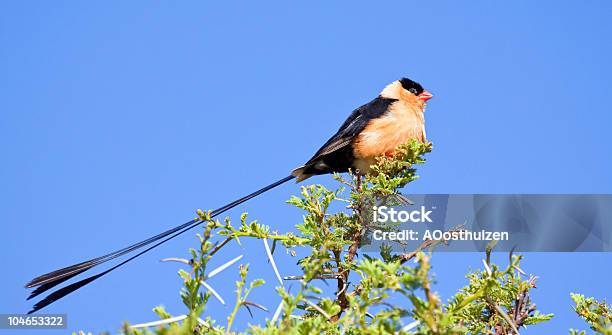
(424,96)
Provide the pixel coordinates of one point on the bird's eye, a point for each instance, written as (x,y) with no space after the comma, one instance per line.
(413,90)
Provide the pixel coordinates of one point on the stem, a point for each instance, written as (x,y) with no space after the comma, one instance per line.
(232,316)
(237,233)
(350,256)
(230,319)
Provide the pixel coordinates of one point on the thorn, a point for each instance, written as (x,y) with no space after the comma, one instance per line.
(174,259)
(272,262)
(487,268)
(277,312)
(223,267)
(212,291)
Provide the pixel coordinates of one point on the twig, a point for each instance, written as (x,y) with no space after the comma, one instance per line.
(408,256)
(218,247)
(503,314)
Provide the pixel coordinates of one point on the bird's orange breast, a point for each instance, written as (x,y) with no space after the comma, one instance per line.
(383,135)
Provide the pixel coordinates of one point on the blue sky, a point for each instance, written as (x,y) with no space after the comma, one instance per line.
(119,119)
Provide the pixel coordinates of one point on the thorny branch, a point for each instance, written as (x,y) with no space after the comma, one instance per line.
(351,253)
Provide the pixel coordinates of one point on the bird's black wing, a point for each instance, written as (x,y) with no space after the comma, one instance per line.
(336,152)
(353,125)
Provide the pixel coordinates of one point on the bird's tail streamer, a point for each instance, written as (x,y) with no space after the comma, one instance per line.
(54,278)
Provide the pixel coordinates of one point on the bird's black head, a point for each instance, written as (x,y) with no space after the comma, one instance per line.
(411,86)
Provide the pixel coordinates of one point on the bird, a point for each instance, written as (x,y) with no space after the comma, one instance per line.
(376,128)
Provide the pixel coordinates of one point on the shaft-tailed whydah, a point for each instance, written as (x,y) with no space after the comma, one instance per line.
(377,128)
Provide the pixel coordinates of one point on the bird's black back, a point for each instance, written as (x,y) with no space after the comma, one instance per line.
(336,155)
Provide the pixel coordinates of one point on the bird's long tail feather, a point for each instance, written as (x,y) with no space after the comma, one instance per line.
(54,278)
